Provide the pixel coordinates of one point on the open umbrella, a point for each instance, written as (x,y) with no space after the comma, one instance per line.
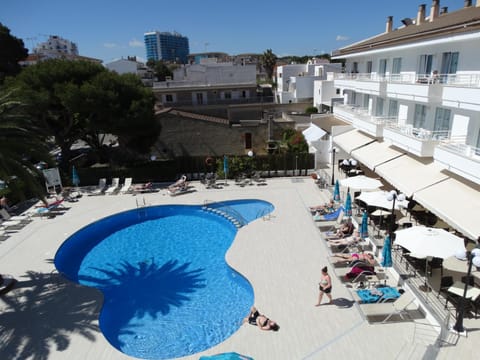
(336,191)
(348,205)
(75,178)
(427,241)
(361,182)
(380,199)
(387,252)
(364,225)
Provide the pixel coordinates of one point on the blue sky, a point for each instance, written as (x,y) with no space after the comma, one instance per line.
(111,29)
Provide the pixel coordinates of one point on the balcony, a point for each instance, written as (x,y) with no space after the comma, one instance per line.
(459,158)
(360,119)
(364,83)
(420,142)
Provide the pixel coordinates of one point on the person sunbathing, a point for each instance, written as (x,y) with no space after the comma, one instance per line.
(180,185)
(354,257)
(350,240)
(257,319)
(323,209)
(344,230)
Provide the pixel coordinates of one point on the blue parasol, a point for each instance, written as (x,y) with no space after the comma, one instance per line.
(387,252)
(75,178)
(225,166)
(348,205)
(364,225)
(336,191)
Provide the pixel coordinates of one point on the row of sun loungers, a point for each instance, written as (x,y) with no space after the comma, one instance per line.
(368,281)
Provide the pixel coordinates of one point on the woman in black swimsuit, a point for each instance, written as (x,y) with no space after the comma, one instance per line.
(264,323)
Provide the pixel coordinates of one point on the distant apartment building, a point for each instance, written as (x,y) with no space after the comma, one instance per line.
(295,82)
(412,99)
(55,45)
(166,46)
(210,83)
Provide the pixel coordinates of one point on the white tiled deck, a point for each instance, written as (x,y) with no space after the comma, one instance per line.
(46,317)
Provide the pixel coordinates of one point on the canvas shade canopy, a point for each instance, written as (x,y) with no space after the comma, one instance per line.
(461,266)
(376,153)
(409,175)
(352,140)
(380,199)
(424,241)
(456,202)
(361,182)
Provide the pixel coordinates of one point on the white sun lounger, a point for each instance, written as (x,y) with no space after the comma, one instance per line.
(102,184)
(112,188)
(398,307)
(127,186)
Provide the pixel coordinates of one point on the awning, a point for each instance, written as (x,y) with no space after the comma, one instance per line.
(376,153)
(456,202)
(352,140)
(313,133)
(409,175)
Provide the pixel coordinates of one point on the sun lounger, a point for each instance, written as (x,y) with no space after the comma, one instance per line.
(102,184)
(127,186)
(399,307)
(114,187)
(337,214)
(7,217)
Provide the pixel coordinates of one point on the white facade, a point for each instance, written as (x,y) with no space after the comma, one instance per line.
(56,45)
(211,73)
(295,82)
(415,91)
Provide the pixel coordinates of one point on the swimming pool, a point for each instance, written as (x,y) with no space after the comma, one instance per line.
(168,291)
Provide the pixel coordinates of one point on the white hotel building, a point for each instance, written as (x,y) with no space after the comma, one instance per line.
(412,102)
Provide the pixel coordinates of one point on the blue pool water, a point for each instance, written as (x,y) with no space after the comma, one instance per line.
(168,291)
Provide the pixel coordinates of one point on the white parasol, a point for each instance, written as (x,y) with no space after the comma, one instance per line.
(426,241)
(361,182)
(380,199)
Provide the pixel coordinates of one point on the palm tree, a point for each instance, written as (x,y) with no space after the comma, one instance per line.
(269,60)
(20,145)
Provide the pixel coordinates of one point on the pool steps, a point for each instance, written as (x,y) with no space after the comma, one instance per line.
(238,224)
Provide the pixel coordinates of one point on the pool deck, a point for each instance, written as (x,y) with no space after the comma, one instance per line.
(50,318)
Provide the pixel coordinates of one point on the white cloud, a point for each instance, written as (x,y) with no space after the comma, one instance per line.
(135,43)
(110,45)
(341,38)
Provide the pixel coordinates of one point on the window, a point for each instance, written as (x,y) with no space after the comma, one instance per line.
(442,120)
(337,91)
(425,65)
(449,63)
(244,94)
(382,67)
(477,150)
(227,95)
(355,67)
(199,97)
(248,140)
(396,68)
(380,106)
(369,67)
(419,116)
(169,98)
(366,101)
(393,109)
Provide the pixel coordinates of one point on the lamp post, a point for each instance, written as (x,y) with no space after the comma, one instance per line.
(334,150)
(393,196)
(458,327)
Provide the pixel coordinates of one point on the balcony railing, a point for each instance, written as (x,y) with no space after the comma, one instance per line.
(419,133)
(465,80)
(462,149)
(362,114)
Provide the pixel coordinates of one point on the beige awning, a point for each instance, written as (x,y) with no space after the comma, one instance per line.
(456,202)
(409,174)
(352,140)
(375,153)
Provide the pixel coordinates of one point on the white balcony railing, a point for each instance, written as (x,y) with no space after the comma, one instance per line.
(419,133)
(465,80)
(462,149)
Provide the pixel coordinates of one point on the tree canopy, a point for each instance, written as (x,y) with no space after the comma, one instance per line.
(80,100)
(12,50)
(269,60)
(161,69)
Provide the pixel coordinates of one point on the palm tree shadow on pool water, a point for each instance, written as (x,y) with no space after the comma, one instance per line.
(146,289)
